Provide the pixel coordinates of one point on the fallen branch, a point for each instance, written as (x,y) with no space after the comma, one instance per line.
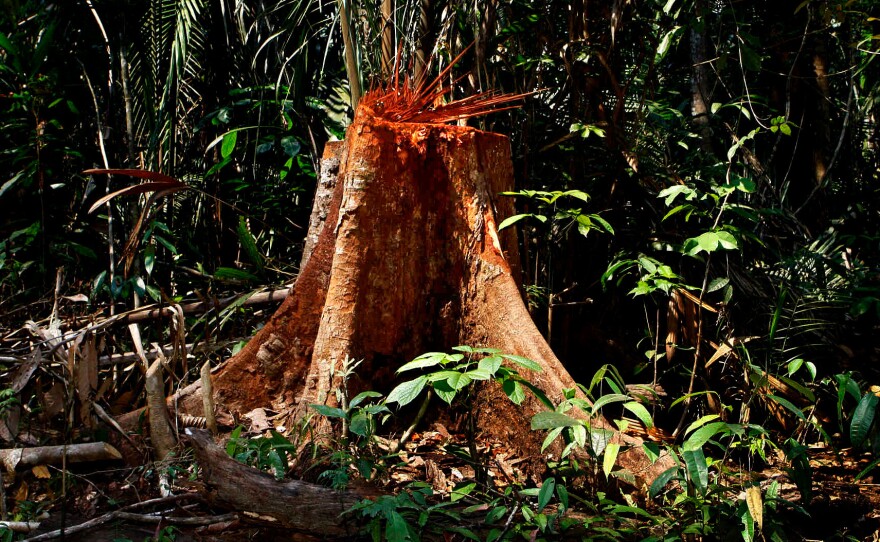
(153,312)
(125,514)
(53,455)
(20,526)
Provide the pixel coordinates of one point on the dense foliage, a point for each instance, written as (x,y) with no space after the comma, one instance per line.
(697,179)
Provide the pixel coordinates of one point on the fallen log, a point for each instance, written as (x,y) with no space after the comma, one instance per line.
(294,504)
(54,455)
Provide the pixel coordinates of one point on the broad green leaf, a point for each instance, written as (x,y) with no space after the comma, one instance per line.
(509,221)
(525,362)
(234,274)
(610,458)
(726,240)
(478,374)
(360,424)
(329,411)
(228,145)
(551,419)
(703,434)
(652,450)
(604,223)
(562,493)
(458,381)
(577,194)
(551,436)
(425,360)
(514,391)
(441,375)
(406,392)
(660,482)
(641,412)
(249,243)
(788,405)
(396,529)
(290,146)
(490,364)
(698,470)
(546,493)
(462,491)
(444,391)
(748,531)
(863,418)
(607,399)
(599,439)
(149,258)
(359,398)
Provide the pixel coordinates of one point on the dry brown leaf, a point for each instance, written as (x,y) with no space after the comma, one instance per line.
(756,505)
(21,494)
(41,471)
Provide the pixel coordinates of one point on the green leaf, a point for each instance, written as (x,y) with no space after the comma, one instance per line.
(524,362)
(863,418)
(514,391)
(359,398)
(697,468)
(577,194)
(459,492)
(234,274)
(726,240)
(406,392)
(546,493)
(703,434)
(329,411)
(604,223)
(478,374)
(611,451)
(8,45)
(490,364)
(149,258)
(228,145)
(551,420)
(660,482)
(361,424)
(444,391)
(249,243)
(425,360)
(562,493)
(599,439)
(509,221)
(607,399)
(641,412)
(458,380)
(290,146)
(788,405)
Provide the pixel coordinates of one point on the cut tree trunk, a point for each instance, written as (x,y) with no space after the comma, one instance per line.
(409,261)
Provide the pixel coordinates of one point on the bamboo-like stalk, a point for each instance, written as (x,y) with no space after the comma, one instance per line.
(351,66)
(208,397)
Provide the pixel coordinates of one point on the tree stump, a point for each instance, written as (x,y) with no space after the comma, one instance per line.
(409,261)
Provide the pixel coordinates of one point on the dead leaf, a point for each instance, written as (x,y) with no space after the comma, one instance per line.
(21,494)
(756,505)
(41,471)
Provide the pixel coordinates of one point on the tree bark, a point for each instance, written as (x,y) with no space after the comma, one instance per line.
(410,260)
(294,504)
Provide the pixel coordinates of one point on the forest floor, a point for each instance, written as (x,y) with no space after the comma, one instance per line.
(47,410)
(841,508)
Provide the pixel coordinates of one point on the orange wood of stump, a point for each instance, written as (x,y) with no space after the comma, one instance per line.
(409,261)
